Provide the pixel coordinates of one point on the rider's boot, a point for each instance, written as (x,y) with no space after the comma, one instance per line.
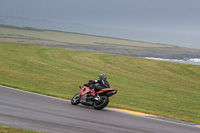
(97,97)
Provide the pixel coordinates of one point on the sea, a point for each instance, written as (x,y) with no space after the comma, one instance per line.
(194,61)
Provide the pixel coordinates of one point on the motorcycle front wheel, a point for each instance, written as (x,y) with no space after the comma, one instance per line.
(76,99)
(102,103)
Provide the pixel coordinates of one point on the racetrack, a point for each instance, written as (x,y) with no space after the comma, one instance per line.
(26,110)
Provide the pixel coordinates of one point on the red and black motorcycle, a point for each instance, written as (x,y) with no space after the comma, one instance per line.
(88,97)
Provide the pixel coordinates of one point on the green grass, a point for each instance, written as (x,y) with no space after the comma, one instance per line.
(4,129)
(157,87)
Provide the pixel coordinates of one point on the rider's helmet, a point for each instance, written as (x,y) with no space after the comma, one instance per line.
(104,76)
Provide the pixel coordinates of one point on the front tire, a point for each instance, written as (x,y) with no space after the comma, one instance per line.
(76,99)
(102,104)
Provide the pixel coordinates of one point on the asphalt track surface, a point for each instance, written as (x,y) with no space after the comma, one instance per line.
(25,110)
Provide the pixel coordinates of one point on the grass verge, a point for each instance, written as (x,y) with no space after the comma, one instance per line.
(4,129)
(157,87)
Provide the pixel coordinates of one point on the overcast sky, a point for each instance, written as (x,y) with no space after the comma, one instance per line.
(174,22)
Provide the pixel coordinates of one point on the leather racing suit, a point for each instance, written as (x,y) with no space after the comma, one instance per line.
(102,83)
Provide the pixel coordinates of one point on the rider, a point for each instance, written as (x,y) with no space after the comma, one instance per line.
(102,83)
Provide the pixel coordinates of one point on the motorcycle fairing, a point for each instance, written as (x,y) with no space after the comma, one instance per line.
(107,91)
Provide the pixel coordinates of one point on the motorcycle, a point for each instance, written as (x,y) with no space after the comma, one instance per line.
(88,97)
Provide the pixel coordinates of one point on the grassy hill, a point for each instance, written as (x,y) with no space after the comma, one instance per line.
(85,42)
(158,87)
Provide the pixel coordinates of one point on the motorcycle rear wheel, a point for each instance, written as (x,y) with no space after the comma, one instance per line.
(100,105)
(76,99)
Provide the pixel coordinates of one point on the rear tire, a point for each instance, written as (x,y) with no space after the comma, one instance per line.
(100,105)
(76,99)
